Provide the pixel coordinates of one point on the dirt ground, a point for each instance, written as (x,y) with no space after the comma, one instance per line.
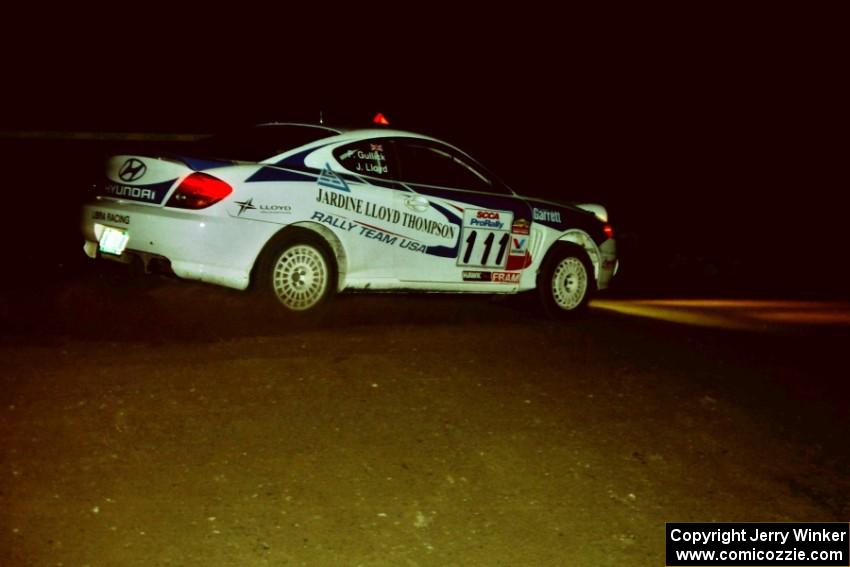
(172,423)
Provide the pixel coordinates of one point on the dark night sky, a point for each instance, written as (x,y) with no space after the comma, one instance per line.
(714,132)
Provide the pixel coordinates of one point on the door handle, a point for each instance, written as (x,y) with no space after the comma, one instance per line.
(417,203)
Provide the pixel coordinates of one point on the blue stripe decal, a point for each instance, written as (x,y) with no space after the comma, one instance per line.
(445,251)
(297,160)
(200,164)
(387,184)
(277,174)
(351,178)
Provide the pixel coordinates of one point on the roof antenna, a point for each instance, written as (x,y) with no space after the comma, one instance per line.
(321,118)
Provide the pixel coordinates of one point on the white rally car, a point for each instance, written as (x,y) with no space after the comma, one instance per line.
(303,211)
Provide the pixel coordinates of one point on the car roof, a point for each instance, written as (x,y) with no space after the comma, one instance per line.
(352,132)
(341,135)
(297,124)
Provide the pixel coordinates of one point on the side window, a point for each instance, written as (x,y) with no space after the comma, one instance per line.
(430,164)
(367,157)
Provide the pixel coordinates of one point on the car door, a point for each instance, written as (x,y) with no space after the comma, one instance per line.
(463,226)
(358,204)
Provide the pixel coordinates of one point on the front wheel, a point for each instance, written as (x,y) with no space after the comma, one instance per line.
(298,272)
(565,282)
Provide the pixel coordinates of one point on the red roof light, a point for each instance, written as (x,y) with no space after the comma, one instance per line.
(381,120)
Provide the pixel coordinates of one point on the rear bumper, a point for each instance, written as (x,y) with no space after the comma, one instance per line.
(199,245)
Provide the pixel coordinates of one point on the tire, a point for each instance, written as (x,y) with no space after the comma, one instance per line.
(565,282)
(297,271)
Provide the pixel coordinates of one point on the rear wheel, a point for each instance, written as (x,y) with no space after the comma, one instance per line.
(298,271)
(565,282)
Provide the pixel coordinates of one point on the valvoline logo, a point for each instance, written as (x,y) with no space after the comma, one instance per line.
(519,244)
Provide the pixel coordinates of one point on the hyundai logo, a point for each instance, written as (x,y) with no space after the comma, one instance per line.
(132,170)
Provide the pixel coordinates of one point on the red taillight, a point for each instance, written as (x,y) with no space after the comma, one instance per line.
(380,120)
(199,190)
(608,230)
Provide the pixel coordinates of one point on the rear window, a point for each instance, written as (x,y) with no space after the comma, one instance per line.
(260,142)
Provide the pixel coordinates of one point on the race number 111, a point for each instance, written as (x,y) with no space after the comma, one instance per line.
(485,248)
